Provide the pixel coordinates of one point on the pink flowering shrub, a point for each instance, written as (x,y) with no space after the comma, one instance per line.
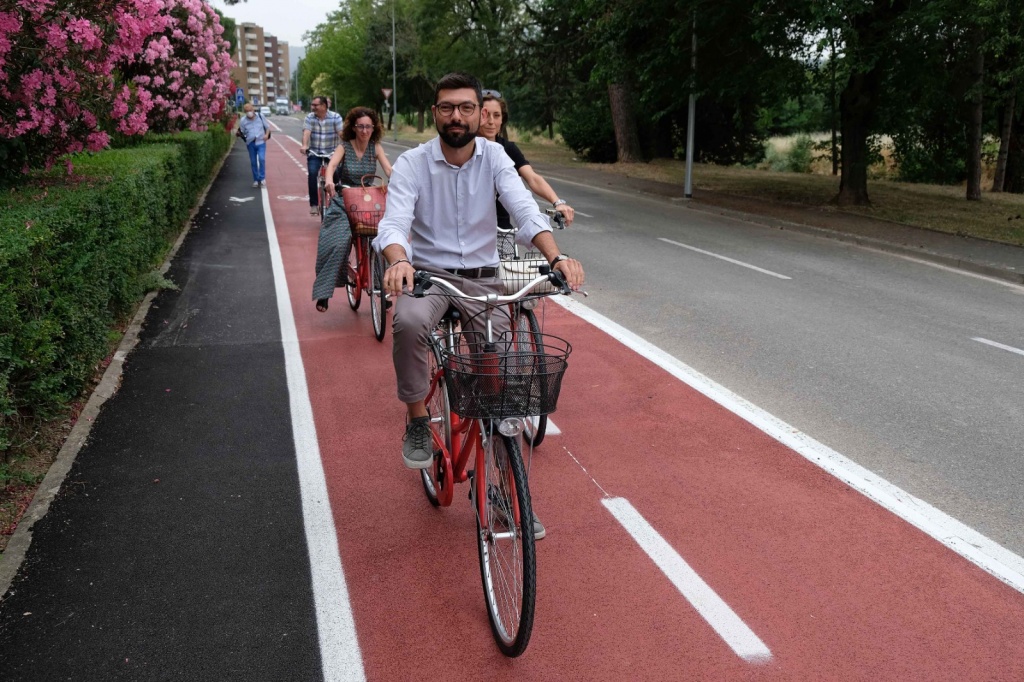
(72,71)
(182,77)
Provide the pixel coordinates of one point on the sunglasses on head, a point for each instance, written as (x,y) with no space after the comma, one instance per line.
(491,93)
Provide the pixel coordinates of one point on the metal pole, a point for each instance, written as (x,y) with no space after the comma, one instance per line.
(690,119)
(394,75)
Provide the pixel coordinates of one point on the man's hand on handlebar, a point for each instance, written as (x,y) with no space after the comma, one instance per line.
(398,278)
(303,149)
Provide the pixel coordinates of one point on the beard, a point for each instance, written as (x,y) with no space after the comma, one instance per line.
(457,140)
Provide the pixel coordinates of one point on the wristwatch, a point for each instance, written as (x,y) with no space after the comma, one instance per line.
(559,258)
(558,202)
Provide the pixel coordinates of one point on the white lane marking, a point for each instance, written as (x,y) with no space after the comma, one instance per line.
(725,258)
(339,646)
(302,166)
(585,215)
(740,638)
(962,539)
(1017,288)
(241,200)
(996,344)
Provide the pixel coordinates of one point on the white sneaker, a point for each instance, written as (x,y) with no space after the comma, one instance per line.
(313,210)
(255,184)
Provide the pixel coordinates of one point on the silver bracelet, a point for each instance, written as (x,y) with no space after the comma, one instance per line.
(558,202)
(400,260)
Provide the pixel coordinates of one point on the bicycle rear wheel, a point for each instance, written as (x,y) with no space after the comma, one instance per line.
(352,287)
(437,480)
(527,339)
(377,300)
(508,559)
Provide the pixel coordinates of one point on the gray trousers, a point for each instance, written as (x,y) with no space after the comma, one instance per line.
(415,318)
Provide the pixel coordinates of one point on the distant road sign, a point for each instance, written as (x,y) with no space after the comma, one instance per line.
(239,93)
(386,91)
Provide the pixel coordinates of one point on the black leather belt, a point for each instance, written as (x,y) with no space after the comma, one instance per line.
(473,273)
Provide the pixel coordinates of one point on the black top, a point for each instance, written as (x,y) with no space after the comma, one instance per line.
(518,160)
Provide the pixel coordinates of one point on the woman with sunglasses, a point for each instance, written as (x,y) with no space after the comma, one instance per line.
(493,119)
(356,156)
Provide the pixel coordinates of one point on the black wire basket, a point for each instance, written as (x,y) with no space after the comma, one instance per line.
(520,377)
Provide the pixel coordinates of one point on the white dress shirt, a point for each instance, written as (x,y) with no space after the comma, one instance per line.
(444,215)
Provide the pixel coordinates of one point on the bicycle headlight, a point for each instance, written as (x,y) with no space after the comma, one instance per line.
(511,427)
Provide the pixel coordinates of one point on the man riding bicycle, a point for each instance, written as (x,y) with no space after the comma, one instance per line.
(441,217)
(321,133)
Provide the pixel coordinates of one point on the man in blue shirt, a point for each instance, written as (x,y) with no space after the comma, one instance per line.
(441,217)
(321,133)
(253,129)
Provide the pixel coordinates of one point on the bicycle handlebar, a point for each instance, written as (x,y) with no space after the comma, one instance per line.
(310,152)
(423,280)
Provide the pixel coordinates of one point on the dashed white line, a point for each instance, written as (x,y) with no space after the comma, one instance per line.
(339,647)
(725,258)
(740,638)
(996,344)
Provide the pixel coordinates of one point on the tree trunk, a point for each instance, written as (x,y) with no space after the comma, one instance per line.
(421,121)
(975,118)
(857,105)
(1014,180)
(1005,130)
(627,138)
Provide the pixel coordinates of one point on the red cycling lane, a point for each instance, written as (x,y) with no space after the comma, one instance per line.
(834,586)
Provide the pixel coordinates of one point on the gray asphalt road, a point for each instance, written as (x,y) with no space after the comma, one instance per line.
(870,353)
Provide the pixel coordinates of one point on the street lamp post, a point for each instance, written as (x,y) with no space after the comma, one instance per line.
(691,116)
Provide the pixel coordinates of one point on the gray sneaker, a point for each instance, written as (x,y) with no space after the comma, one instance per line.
(538,529)
(417,451)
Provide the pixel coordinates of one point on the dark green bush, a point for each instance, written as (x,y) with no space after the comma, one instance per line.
(73,255)
(589,131)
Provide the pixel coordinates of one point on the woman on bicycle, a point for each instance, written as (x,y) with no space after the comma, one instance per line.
(494,118)
(356,156)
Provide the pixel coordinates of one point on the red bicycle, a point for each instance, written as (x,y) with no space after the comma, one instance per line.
(321,183)
(481,390)
(365,270)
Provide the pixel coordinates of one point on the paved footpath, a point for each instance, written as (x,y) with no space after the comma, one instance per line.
(240,512)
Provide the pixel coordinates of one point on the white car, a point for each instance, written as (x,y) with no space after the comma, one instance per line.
(265,111)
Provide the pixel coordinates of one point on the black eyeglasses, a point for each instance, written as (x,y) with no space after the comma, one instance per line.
(491,93)
(447,108)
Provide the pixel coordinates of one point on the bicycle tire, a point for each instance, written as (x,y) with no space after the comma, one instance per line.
(527,337)
(378,302)
(434,478)
(352,262)
(508,553)
(321,196)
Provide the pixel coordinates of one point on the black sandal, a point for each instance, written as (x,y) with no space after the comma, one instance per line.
(321,304)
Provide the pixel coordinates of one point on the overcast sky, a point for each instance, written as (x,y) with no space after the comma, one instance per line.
(286,19)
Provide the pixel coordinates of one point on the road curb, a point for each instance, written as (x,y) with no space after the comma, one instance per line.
(17,547)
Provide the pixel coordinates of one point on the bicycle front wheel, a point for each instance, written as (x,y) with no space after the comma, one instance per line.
(508,558)
(527,339)
(352,288)
(377,300)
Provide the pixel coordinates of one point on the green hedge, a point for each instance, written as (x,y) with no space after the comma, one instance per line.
(73,257)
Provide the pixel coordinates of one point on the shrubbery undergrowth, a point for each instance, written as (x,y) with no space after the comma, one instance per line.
(75,256)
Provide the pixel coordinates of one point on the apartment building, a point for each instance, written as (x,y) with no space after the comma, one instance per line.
(261,65)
